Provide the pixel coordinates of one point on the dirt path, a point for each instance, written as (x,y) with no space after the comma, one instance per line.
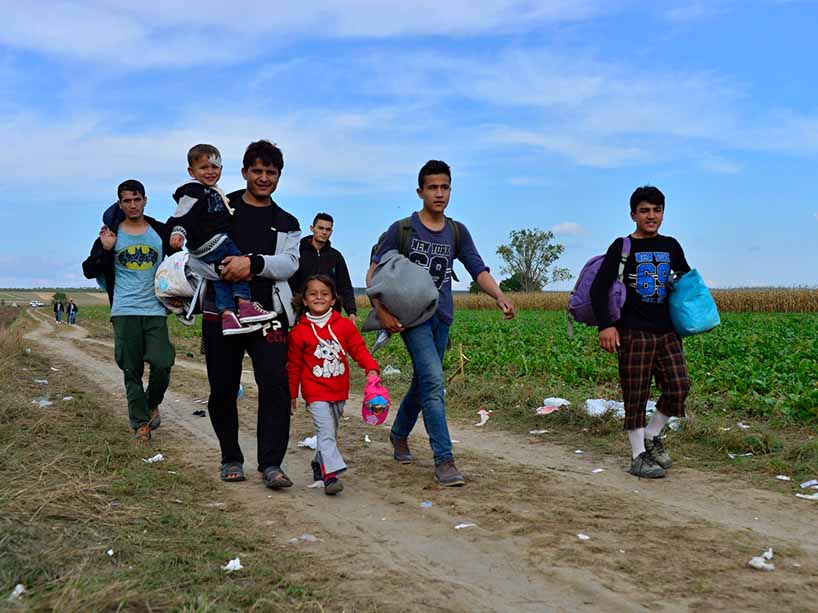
(675,544)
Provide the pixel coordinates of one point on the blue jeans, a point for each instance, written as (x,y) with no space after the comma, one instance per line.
(426,344)
(72,317)
(227,292)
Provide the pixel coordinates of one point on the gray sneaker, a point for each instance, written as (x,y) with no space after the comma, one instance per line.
(657,450)
(645,466)
(401,447)
(447,474)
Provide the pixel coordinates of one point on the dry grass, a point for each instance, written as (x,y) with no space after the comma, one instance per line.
(75,486)
(756,300)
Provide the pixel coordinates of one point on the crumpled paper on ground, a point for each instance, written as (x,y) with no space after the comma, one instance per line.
(390,371)
(484,417)
(311,442)
(583,537)
(157,458)
(550,405)
(17,592)
(233,565)
(762,562)
(808,496)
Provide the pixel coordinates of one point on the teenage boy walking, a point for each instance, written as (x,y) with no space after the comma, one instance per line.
(127,262)
(319,257)
(267,236)
(433,246)
(644,338)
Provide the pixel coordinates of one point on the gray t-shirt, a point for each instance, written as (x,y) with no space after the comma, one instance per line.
(136,258)
(434,251)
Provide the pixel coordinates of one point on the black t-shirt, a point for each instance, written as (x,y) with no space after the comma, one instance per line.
(252,231)
(646,274)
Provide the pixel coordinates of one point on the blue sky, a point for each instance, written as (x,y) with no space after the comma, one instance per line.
(550,114)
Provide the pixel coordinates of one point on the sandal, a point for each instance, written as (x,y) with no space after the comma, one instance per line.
(232,471)
(274,478)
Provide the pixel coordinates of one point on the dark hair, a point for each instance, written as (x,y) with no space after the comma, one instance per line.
(647,193)
(131,185)
(434,167)
(298,298)
(324,216)
(265,152)
(198,151)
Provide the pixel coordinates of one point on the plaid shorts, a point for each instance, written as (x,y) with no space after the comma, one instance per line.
(643,355)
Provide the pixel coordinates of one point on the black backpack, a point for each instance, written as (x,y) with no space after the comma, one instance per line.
(405,239)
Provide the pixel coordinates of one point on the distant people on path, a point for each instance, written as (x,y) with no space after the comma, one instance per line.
(319,257)
(318,365)
(59,309)
(436,241)
(71,310)
(125,263)
(268,237)
(203,218)
(643,338)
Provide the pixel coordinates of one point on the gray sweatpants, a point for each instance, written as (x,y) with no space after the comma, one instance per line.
(325,417)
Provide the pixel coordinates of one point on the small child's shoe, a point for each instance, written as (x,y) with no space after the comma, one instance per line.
(231,325)
(332,485)
(251,312)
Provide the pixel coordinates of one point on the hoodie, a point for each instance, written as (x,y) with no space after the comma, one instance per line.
(326,261)
(317,358)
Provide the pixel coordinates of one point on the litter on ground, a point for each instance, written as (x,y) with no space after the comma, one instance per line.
(762,562)
(110,553)
(41,381)
(310,442)
(390,371)
(307,538)
(462,526)
(596,407)
(544,410)
(743,426)
(556,402)
(783,478)
(233,565)
(535,432)
(578,451)
(55,369)
(67,398)
(426,504)
(157,458)
(733,456)
(484,417)
(583,537)
(810,483)
(316,484)
(367,440)
(808,496)
(42,402)
(17,592)
(598,470)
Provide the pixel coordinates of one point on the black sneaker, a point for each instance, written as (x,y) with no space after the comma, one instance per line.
(316,471)
(657,450)
(646,467)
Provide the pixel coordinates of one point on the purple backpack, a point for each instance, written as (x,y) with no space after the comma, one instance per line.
(579,301)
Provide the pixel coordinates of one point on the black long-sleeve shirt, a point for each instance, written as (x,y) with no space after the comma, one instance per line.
(646,274)
(326,261)
(201,214)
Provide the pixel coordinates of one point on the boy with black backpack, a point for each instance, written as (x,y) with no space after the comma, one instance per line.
(643,336)
(431,240)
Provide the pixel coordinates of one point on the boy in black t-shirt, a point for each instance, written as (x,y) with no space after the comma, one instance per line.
(643,337)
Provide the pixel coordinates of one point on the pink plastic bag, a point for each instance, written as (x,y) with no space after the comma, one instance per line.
(376,401)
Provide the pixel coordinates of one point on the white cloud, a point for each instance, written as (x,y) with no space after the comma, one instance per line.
(719,165)
(567,228)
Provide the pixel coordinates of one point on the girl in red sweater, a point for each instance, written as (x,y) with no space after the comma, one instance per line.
(317,362)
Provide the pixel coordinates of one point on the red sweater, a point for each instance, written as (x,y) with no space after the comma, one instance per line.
(321,367)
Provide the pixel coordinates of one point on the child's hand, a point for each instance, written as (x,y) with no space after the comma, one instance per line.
(292,405)
(371,373)
(176,241)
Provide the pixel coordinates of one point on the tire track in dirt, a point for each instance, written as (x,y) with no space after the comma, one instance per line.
(529,500)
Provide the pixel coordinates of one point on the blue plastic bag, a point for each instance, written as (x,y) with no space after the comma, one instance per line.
(692,308)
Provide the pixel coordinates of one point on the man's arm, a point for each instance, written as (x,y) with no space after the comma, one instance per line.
(345,289)
(279,267)
(489,285)
(608,334)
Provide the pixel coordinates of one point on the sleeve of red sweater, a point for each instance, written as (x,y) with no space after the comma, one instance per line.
(356,347)
(295,360)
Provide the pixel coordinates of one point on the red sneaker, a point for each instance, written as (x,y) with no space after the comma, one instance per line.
(231,325)
(251,312)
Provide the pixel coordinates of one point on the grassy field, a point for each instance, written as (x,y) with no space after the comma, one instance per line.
(85,525)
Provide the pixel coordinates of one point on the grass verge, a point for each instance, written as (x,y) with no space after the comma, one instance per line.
(87,525)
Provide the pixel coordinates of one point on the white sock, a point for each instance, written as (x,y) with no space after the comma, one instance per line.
(657,422)
(637,438)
